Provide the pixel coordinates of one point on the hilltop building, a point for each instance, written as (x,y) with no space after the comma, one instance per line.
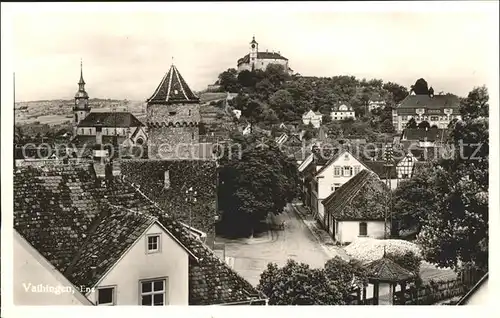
(437,110)
(256,60)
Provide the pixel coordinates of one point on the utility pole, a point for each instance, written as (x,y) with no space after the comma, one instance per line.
(388,165)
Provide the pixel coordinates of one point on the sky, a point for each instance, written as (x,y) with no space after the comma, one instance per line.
(127,51)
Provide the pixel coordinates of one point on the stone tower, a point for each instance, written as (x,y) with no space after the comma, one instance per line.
(173,116)
(254,49)
(81,108)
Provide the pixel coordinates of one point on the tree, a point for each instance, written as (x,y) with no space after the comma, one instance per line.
(398,92)
(456,232)
(345,276)
(412,123)
(424,124)
(420,87)
(228,80)
(409,196)
(387,126)
(255,179)
(326,119)
(298,284)
(282,103)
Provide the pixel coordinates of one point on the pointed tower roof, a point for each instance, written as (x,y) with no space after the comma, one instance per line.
(173,89)
(253,40)
(81,74)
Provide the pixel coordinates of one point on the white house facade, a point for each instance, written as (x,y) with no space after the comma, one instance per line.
(348,231)
(314,118)
(342,112)
(155,270)
(331,177)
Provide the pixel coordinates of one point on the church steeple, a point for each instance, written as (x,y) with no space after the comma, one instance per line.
(81,108)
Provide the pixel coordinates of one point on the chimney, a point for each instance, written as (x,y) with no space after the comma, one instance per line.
(431,92)
(100,154)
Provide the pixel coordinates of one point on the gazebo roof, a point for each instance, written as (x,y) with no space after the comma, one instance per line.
(386,270)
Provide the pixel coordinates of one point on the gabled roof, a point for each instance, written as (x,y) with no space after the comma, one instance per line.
(437,102)
(381,170)
(363,197)
(336,155)
(386,270)
(173,90)
(77,223)
(111,119)
(263,56)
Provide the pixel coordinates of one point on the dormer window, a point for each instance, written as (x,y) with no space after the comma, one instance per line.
(172,113)
(153,243)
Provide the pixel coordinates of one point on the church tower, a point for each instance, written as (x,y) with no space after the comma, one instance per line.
(81,108)
(173,116)
(254,49)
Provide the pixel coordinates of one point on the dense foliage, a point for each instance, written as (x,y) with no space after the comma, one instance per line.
(273,96)
(256,179)
(298,284)
(455,227)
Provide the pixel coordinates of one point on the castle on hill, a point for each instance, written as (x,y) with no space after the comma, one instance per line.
(256,60)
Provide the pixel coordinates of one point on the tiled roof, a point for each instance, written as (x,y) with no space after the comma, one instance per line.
(386,270)
(363,197)
(421,134)
(111,119)
(380,169)
(173,89)
(437,102)
(262,55)
(77,223)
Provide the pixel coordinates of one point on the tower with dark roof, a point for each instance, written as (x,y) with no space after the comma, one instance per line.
(173,116)
(81,108)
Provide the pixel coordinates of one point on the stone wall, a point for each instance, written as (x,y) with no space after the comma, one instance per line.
(173,142)
(177,113)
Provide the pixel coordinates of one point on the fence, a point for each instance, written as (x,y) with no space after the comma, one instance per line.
(430,293)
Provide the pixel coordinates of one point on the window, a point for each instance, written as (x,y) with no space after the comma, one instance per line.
(434,118)
(153,292)
(336,171)
(189,113)
(172,113)
(139,141)
(357,169)
(347,171)
(362,229)
(106,296)
(192,135)
(153,243)
(404,117)
(346,157)
(336,186)
(76,117)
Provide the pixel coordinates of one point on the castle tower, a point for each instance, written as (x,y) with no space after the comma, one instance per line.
(254,49)
(173,116)
(81,108)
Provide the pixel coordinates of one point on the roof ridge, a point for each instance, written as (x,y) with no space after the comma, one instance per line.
(180,82)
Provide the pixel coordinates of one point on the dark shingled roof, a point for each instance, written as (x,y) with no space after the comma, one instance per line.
(386,270)
(262,55)
(173,89)
(111,119)
(421,134)
(437,103)
(78,223)
(363,197)
(380,169)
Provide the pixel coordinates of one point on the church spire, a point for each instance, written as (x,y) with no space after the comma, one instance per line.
(81,82)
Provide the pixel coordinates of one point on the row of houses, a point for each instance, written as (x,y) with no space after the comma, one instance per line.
(349,193)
